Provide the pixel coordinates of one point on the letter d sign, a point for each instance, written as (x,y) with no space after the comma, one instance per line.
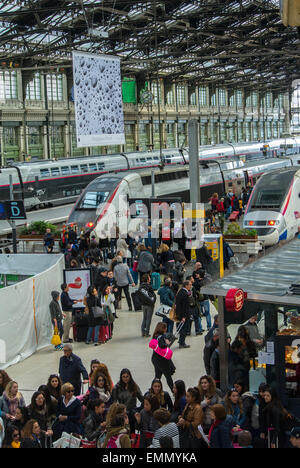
(15,211)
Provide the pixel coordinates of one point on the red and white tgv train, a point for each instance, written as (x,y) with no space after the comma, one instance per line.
(274,207)
(102,197)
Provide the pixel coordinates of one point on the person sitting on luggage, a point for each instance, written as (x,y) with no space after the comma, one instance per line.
(147,298)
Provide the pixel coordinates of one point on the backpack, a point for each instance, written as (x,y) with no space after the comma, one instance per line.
(114,441)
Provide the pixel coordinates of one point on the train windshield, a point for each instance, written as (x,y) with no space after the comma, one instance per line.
(271,191)
(92,200)
(268,198)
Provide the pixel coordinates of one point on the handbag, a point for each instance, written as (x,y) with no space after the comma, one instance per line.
(56,338)
(98,312)
(172,314)
(135,266)
(163,311)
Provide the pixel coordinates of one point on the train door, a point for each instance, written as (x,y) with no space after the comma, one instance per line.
(248,176)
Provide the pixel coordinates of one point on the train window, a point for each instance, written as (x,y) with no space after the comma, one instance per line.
(55,171)
(93,167)
(65,170)
(101,166)
(92,200)
(156,158)
(230,184)
(45,173)
(142,159)
(239,182)
(74,169)
(84,168)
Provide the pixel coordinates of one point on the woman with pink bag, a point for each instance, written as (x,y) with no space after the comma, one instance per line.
(162,354)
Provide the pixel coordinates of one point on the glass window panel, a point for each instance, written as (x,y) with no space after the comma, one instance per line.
(222,97)
(45,173)
(93,167)
(181,96)
(33,88)
(74,169)
(8,85)
(55,171)
(156,91)
(239,98)
(65,170)
(202,96)
(84,168)
(55,87)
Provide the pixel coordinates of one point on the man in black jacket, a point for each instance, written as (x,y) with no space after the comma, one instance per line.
(67,308)
(71,369)
(183,311)
(147,298)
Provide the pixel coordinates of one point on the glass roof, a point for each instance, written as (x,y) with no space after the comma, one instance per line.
(208,42)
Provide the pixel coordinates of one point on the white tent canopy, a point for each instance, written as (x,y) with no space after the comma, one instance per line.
(25,322)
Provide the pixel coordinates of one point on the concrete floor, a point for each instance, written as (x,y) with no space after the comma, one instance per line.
(126,349)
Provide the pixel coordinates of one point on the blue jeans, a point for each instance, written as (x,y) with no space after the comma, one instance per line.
(170,324)
(60,329)
(205,311)
(90,332)
(197,321)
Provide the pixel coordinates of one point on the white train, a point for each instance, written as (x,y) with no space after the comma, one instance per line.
(274,206)
(54,182)
(103,195)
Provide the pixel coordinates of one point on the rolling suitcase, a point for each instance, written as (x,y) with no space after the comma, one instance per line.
(136,301)
(234,216)
(155,281)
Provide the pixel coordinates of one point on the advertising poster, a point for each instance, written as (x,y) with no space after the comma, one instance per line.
(98,100)
(78,282)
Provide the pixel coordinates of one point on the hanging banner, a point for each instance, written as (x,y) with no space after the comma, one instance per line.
(78,281)
(98,100)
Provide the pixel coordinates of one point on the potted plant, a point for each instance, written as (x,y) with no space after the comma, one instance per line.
(234,231)
(37,230)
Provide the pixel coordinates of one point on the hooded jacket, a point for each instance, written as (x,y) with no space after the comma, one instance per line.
(55,310)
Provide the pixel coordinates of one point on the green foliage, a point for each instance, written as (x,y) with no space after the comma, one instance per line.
(234,229)
(39,227)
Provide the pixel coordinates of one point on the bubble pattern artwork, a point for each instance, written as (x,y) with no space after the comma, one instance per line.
(98,97)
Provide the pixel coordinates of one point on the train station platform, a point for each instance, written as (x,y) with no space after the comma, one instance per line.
(127,349)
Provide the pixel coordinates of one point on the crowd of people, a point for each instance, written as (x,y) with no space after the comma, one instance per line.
(120,415)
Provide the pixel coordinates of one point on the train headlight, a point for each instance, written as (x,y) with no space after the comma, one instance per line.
(250,223)
(90,225)
(272,223)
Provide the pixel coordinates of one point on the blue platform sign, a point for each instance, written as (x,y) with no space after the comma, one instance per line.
(12,210)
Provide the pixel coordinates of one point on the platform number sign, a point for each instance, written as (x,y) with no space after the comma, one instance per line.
(15,210)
